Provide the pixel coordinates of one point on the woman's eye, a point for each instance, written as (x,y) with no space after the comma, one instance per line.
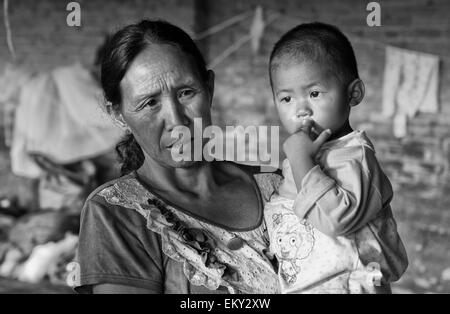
(151,103)
(286,99)
(185,93)
(314,94)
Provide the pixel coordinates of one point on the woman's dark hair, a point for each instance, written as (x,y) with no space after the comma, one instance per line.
(121,49)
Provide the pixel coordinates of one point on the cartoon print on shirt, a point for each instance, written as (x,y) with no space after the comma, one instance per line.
(294,242)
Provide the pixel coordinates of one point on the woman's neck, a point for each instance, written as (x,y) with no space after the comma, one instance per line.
(196,179)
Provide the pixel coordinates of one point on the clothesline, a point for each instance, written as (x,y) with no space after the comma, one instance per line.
(237,44)
(222,25)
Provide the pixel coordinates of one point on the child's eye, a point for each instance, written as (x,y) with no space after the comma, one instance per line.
(314,94)
(286,99)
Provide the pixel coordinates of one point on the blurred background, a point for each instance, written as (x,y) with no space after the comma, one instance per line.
(56,145)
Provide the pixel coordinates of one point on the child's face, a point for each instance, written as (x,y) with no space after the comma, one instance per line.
(306,90)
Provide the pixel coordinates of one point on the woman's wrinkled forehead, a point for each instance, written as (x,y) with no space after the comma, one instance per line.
(159,67)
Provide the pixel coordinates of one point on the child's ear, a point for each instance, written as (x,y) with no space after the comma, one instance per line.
(355,92)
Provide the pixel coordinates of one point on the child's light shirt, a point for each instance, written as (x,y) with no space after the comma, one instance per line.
(337,235)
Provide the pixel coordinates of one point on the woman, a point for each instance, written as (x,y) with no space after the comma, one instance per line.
(168,226)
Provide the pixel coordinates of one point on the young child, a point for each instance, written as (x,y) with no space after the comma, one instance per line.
(331,227)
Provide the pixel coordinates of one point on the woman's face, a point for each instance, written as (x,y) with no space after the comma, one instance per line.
(161,90)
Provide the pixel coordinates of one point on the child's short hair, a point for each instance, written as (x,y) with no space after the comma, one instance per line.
(321,43)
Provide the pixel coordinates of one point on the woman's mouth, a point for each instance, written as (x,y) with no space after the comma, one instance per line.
(179,142)
(172,143)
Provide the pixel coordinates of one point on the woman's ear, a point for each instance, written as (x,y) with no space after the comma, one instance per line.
(355,92)
(210,83)
(116,116)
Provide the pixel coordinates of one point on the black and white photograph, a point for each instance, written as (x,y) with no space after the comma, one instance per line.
(211,148)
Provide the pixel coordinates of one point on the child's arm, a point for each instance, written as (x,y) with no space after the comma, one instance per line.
(346,194)
(300,150)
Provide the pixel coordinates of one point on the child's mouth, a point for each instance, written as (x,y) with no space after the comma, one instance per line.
(303,114)
(301,118)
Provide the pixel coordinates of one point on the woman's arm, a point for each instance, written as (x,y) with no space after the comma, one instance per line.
(116,252)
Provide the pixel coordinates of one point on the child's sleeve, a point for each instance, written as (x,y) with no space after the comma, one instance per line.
(344,193)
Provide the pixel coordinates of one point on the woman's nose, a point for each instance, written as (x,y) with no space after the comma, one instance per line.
(174,115)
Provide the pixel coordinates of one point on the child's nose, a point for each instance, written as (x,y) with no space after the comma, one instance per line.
(303,109)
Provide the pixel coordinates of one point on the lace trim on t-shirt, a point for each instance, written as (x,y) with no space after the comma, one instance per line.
(200,246)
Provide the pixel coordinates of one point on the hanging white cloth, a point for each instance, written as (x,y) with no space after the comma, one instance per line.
(59,116)
(32,93)
(411,81)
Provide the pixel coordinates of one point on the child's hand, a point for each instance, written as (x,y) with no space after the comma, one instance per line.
(301,148)
(305,143)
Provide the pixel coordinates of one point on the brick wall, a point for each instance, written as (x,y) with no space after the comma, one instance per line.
(43,40)
(418,165)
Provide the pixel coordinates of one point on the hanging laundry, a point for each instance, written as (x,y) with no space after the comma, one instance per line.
(32,94)
(257,30)
(81,97)
(410,86)
(59,116)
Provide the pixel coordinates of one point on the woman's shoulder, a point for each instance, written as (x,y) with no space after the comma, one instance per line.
(98,193)
(120,199)
(126,188)
(268,182)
